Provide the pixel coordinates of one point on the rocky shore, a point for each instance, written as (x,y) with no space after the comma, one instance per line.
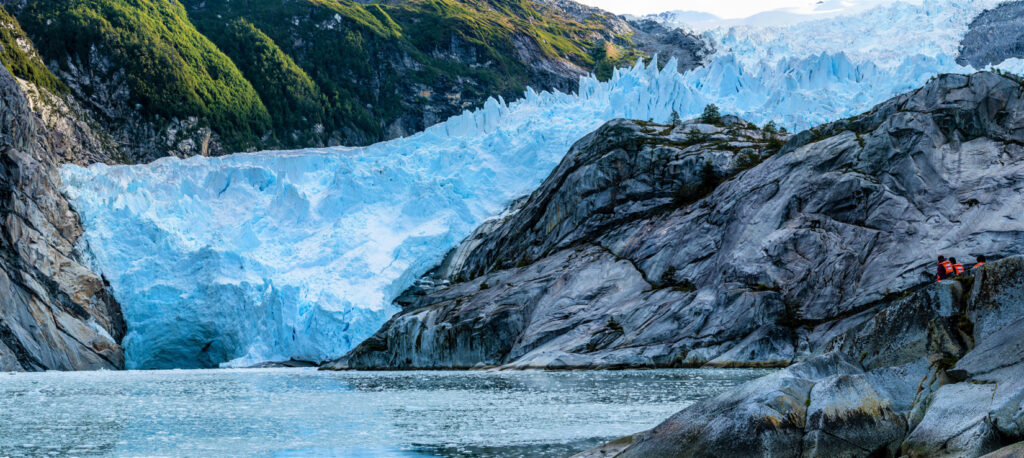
(937,373)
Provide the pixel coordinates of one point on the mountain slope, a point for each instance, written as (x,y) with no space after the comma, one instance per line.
(847,214)
(393,68)
(198,77)
(170,70)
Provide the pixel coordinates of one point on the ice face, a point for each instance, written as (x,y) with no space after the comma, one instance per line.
(884,35)
(298,254)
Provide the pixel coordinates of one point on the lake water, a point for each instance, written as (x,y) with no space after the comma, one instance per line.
(303,412)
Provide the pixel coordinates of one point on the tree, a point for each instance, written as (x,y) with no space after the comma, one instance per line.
(771,128)
(711,114)
(675,118)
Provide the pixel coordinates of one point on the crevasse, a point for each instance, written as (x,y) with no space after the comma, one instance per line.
(297,254)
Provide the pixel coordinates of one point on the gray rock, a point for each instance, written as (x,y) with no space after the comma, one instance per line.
(993,305)
(857,405)
(765,416)
(572,302)
(956,424)
(994,36)
(848,415)
(55,313)
(1010,451)
(688,49)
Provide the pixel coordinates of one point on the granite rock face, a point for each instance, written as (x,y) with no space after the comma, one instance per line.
(569,291)
(937,373)
(629,255)
(994,36)
(55,313)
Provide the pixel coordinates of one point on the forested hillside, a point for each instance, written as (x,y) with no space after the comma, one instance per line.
(212,77)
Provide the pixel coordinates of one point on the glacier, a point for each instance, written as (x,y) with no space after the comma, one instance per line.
(883,35)
(281,255)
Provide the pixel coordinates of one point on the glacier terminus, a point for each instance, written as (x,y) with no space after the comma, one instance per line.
(282,255)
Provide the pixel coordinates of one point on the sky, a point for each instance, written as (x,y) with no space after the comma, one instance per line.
(726,9)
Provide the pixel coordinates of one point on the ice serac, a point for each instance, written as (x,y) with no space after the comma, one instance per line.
(298,255)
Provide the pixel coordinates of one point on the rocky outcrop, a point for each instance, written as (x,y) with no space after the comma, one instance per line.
(688,49)
(994,36)
(570,290)
(619,259)
(55,313)
(937,373)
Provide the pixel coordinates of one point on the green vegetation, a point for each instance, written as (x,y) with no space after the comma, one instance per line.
(695,136)
(173,71)
(374,63)
(290,95)
(24,65)
(607,56)
(711,115)
(268,73)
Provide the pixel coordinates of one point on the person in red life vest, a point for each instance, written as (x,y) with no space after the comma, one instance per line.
(981,261)
(945,269)
(957,267)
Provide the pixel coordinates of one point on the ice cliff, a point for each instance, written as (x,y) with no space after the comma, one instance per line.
(298,254)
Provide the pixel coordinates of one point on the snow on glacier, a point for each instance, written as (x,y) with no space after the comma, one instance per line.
(298,254)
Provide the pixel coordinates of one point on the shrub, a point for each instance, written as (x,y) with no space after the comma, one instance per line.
(694,136)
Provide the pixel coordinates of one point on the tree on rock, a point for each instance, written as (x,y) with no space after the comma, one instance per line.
(711,115)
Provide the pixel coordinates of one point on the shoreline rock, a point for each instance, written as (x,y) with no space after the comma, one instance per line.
(888,387)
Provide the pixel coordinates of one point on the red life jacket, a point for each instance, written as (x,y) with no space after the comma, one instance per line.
(959,268)
(948,266)
(947,269)
(978,265)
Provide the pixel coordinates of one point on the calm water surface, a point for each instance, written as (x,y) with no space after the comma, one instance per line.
(303,412)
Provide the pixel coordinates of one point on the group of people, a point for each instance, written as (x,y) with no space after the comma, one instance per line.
(949,268)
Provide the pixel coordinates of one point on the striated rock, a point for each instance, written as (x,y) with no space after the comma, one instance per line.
(654,246)
(55,313)
(955,424)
